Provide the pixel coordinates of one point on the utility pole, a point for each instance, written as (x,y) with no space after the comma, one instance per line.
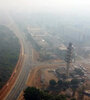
(68,58)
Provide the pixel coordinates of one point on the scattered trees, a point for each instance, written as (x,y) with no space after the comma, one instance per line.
(60,82)
(74,85)
(31,93)
(79,71)
(52,82)
(64,85)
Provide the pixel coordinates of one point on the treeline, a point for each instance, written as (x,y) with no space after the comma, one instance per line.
(9,53)
(32,93)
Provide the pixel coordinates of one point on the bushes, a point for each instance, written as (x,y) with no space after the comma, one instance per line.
(52,82)
(63,85)
(32,93)
(79,71)
(58,86)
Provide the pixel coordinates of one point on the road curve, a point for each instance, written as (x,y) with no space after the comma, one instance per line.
(26,66)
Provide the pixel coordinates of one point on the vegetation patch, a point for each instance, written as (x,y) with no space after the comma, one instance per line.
(32,93)
(9,53)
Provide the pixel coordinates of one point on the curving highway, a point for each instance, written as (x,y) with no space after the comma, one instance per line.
(27,64)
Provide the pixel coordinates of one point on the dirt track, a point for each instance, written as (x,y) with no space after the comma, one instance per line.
(34,78)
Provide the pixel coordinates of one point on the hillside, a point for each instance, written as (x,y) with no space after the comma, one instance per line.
(9,53)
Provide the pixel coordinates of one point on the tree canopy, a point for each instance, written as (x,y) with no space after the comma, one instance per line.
(9,53)
(31,93)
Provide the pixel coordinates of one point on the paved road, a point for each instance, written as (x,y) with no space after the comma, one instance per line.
(20,83)
(27,64)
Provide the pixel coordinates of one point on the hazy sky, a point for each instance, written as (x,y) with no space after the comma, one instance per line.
(46,5)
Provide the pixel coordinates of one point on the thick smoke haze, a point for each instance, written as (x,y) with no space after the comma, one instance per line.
(57,6)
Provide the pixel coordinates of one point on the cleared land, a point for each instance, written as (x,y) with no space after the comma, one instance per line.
(41,74)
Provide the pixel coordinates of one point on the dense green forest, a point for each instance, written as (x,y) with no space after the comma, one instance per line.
(9,53)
